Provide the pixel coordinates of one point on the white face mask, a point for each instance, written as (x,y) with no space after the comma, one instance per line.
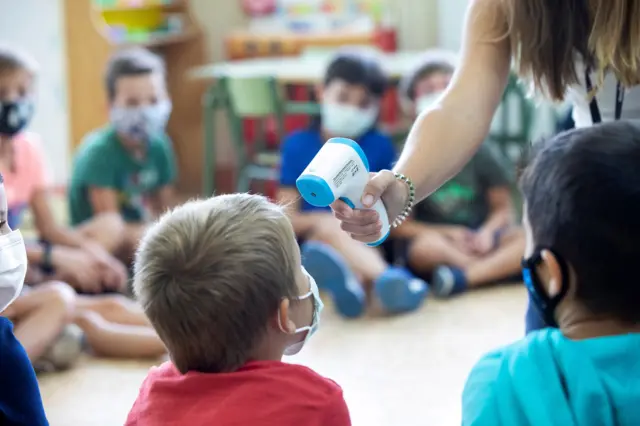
(315,321)
(347,120)
(425,102)
(13,267)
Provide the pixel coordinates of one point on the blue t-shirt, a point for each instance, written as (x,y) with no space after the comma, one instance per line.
(301,146)
(546,379)
(20,400)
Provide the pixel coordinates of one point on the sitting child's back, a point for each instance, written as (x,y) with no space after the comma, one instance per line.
(259,393)
(582,204)
(222,283)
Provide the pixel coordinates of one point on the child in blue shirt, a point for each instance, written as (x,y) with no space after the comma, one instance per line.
(353,87)
(582,205)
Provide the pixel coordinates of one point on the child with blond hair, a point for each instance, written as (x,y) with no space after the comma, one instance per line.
(221,280)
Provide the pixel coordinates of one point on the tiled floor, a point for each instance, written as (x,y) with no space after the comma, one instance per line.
(403,371)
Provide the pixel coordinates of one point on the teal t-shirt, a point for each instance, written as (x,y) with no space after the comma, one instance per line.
(546,379)
(102,161)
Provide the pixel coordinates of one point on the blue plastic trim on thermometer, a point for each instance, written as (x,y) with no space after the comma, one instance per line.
(353,144)
(381,240)
(348,202)
(315,190)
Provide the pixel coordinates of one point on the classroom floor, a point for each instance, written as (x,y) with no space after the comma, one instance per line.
(406,370)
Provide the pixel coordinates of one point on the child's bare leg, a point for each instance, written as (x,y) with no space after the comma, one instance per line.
(433,249)
(107,229)
(39,316)
(499,264)
(108,339)
(366,262)
(114,308)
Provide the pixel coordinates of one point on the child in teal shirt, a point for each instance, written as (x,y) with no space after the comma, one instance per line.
(582,204)
(127,166)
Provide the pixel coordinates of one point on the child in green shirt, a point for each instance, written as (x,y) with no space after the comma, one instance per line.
(127,166)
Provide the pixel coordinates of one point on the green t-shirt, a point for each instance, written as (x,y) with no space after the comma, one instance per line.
(463,200)
(101,161)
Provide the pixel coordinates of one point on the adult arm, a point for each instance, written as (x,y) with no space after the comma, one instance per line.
(443,139)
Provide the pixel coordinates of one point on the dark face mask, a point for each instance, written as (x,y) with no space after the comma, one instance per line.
(547,305)
(15,116)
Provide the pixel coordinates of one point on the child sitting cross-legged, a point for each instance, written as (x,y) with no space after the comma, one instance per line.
(51,321)
(463,235)
(582,203)
(126,168)
(221,280)
(350,96)
(81,256)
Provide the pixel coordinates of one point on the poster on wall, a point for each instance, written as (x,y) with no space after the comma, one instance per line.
(313,15)
(255,8)
(299,8)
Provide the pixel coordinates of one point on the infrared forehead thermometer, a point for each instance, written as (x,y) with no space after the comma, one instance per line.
(340,171)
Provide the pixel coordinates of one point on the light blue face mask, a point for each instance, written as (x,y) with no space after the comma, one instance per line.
(315,322)
(140,123)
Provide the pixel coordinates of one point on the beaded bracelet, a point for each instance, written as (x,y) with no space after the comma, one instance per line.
(410,201)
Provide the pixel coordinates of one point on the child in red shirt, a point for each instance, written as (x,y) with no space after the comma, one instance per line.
(222,283)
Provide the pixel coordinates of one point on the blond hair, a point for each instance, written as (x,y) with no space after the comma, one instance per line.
(211,273)
(547,37)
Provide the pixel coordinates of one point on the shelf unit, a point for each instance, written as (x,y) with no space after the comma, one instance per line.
(90,43)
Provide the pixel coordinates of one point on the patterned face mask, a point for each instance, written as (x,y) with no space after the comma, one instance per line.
(15,116)
(140,123)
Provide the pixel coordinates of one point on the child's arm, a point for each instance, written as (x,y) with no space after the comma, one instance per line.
(495,178)
(46,224)
(500,210)
(164,198)
(20,400)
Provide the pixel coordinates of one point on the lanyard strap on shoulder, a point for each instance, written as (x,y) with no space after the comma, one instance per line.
(593,105)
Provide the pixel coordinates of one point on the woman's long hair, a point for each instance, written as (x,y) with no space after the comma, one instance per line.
(549,36)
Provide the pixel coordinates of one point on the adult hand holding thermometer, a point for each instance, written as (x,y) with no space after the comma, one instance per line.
(340,171)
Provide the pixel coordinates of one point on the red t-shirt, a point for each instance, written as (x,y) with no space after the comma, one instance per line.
(262,393)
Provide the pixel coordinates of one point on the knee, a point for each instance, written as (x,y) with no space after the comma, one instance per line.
(109,230)
(425,252)
(59,296)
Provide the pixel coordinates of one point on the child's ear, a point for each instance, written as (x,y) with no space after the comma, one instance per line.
(552,273)
(286,325)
